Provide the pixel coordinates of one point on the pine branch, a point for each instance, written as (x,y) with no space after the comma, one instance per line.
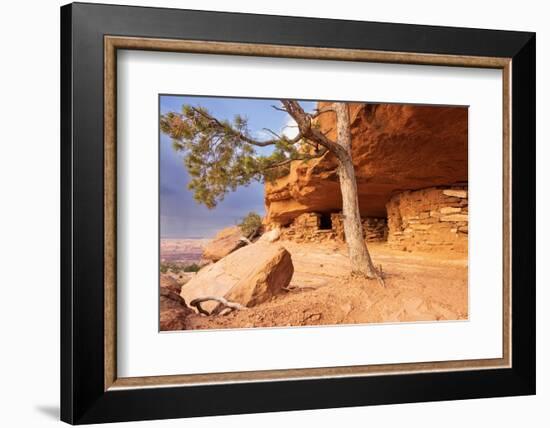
(320,111)
(222,127)
(279,108)
(304,157)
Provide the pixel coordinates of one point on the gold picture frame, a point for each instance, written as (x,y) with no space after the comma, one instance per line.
(114,43)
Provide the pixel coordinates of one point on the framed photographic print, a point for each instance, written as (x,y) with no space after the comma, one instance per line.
(265,213)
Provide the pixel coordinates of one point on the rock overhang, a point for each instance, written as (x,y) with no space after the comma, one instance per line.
(395,148)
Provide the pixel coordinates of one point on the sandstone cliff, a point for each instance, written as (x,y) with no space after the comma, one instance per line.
(395,148)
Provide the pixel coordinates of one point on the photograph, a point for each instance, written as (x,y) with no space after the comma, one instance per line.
(283,210)
(294,213)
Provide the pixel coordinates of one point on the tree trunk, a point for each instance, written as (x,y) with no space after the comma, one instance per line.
(361,263)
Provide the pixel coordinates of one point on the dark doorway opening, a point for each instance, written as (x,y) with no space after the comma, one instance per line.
(325,222)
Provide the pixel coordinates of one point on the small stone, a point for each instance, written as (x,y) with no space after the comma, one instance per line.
(463,229)
(455,217)
(420,226)
(449,210)
(271,236)
(456,193)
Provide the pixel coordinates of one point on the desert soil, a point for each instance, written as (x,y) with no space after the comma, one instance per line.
(419,287)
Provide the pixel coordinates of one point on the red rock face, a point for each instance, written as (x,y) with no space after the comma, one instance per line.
(394,147)
(173,310)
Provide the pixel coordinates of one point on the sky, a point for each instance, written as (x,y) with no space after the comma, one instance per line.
(180,215)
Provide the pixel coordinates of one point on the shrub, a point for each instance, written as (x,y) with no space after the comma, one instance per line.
(193,267)
(178,268)
(250,225)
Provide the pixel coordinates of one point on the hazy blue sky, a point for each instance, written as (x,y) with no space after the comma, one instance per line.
(180,215)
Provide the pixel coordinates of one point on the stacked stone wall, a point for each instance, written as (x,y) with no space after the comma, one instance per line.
(307,227)
(433,219)
(374,229)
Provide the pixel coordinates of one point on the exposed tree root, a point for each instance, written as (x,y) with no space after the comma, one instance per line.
(380,277)
(296,289)
(377,274)
(380,280)
(224,304)
(245,240)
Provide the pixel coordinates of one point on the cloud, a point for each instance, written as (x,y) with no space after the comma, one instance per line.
(290,128)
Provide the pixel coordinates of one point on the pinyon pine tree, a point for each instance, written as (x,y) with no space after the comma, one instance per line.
(221,155)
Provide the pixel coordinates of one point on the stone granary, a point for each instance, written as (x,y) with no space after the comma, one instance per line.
(322,226)
(411,165)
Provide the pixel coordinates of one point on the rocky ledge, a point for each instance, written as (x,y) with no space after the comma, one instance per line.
(395,148)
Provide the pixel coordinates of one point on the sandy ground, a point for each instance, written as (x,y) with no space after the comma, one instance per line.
(419,287)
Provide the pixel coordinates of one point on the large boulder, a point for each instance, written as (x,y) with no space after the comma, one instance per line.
(395,147)
(224,243)
(249,276)
(173,310)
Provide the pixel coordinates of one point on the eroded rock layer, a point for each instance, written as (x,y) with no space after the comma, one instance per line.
(395,148)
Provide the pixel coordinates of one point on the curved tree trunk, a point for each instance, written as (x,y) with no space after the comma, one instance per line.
(361,263)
